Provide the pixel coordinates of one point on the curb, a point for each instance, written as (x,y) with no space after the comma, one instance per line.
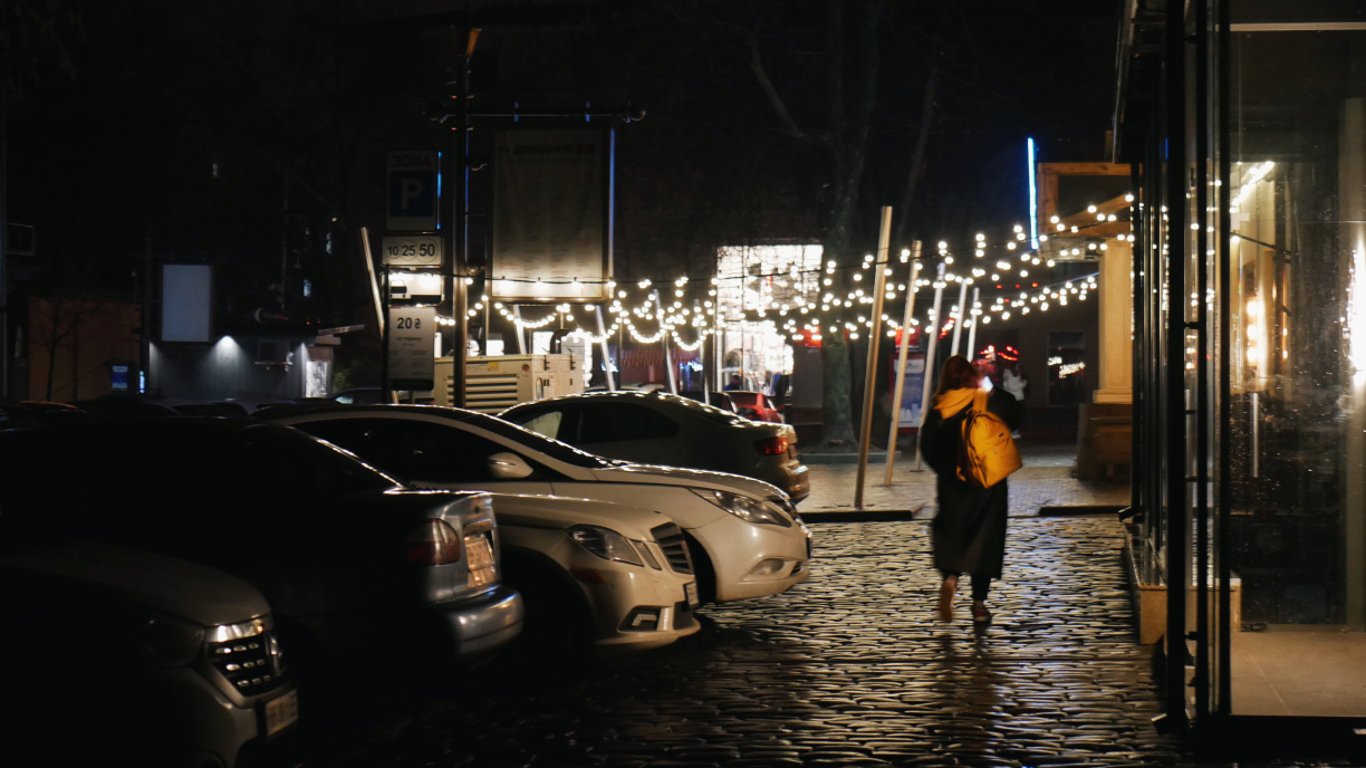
(1081,509)
(858,515)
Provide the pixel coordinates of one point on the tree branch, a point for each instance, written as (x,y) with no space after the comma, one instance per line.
(917,155)
(756,65)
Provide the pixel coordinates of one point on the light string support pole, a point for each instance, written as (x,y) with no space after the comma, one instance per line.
(931,346)
(898,389)
(874,337)
(962,314)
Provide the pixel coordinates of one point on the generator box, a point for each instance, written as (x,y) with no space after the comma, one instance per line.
(501,381)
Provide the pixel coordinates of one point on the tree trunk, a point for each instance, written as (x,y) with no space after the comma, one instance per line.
(54,338)
(835,393)
(849,149)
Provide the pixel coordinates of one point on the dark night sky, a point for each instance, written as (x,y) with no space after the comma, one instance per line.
(236,132)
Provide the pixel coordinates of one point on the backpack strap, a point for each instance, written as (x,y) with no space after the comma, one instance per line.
(979,401)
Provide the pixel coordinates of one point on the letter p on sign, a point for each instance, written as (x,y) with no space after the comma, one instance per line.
(413,202)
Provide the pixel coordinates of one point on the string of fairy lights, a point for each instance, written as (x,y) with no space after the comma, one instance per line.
(803,302)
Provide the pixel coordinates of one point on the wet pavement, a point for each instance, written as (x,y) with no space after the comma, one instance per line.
(1045,482)
(850,668)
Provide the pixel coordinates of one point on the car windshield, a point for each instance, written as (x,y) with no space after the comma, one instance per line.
(744,398)
(536,441)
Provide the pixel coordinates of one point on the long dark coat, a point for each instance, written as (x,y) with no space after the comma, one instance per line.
(968,534)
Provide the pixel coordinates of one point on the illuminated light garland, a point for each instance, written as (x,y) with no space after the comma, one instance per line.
(668,319)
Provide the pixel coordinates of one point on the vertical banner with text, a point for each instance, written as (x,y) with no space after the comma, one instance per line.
(910,413)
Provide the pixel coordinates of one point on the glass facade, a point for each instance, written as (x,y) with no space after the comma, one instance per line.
(1245,122)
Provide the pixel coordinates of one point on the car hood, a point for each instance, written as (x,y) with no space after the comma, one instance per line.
(142,580)
(656,474)
(544,511)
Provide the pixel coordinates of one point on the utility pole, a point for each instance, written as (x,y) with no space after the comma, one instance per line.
(4,248)
(874,336)
(456,270)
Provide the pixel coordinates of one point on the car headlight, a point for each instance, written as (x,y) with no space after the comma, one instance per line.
(166,642)
(605,543)
(747,508)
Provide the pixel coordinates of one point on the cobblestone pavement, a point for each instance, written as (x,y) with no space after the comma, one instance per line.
(847,669)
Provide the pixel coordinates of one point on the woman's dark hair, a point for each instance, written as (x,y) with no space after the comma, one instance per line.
(957,373)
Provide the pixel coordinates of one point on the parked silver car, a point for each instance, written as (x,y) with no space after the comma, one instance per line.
(130,658)
(744,535)
(597,575)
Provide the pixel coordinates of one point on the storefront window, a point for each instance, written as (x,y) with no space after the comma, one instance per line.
(1296,357)
(1066,368)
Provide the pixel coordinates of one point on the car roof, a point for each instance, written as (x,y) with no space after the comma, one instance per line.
(665,399)
(475,419)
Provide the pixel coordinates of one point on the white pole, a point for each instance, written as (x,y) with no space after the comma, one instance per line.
(875,336)
(932,342)
(607,362)
(702,358)
(664,339)
(706,378)
(517,327)
(962,314)
(669,365)
(972,330)
(899,388)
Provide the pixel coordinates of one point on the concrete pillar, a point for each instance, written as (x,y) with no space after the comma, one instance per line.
(1116,313)
(1105,425)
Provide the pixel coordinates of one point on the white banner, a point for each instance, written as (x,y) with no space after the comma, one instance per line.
(412,344)
(552,215)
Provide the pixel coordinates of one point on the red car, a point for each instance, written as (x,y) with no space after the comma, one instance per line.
(755,405)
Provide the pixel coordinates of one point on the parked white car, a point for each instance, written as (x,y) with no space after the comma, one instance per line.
(744,535)
(596,573)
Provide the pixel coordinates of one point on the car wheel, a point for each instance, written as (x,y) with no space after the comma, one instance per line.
(558,620)
(702,570)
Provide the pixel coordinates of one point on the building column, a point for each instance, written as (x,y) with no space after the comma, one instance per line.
(1105,425)
(1115,352)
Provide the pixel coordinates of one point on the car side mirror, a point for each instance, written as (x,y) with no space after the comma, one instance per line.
(508,466)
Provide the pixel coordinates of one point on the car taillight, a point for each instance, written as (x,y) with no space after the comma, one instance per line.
(434,543)
(773,446)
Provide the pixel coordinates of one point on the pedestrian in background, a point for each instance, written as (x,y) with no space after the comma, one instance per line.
(968,534)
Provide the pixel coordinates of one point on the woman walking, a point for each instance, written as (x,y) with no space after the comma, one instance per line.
(968,534)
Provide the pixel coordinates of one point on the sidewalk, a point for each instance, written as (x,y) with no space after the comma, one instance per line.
(1044,485)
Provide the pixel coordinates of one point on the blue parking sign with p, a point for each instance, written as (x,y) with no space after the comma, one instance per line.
(413,203)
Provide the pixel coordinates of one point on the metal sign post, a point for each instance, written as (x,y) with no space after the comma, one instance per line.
(875,335)
(898,390)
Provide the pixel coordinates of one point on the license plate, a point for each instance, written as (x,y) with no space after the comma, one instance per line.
(281,712)
(690,592)
(480,560)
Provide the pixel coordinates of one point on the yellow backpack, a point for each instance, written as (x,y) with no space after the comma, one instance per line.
(987,452)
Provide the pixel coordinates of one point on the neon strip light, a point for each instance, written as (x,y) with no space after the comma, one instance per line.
(1033,198)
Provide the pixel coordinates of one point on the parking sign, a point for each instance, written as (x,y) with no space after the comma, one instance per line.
(414,199)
